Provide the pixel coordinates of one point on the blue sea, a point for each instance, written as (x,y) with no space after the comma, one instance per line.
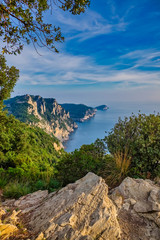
(103,122)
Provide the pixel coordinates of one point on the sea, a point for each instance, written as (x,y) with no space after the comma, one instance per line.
(102,123)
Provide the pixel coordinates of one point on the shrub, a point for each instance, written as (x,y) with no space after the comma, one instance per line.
(16,189)
(75,165)
(140,135)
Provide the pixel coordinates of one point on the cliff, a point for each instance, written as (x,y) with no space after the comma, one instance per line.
(79,112)
(102,107)
(45,113)
(85,210)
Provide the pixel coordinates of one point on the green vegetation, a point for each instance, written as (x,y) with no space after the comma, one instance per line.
(29,161)
(27,155)
(22,21)
(8,78)
(23,110)
(137,138)
(77,111)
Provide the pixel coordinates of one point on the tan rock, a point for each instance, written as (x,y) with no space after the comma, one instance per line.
(141,209)
(81,210)
(30,201)
(7,230)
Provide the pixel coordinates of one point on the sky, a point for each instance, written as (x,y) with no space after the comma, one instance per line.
(111,54)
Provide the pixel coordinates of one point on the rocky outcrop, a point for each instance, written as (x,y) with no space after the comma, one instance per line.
(102,107)
(84,211)
(138,204)
(44,113)
(80,211)
(79,112)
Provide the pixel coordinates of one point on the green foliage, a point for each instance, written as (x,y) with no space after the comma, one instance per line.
(26,153)
(75,165)
(8,78)
(16,189)
(77,111)
(23,21)
(140,135)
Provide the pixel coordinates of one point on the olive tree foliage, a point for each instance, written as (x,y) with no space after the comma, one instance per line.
(8,78)
(139,137)
(22,21)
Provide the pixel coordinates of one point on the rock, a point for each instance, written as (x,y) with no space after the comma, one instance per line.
(40,236)
(80,211)
(7,230)
(13,218)
(2,212)
(30,201)
(139,215)
(84,211)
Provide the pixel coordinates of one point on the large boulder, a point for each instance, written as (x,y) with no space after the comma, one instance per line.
(85,211)
(80,211)
(138,202)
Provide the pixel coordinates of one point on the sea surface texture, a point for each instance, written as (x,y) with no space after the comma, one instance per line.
(103,122)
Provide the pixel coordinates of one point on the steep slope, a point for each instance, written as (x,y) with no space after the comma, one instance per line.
(102,107)
(45,113)
(79,112)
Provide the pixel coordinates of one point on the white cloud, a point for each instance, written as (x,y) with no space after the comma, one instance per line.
(87,25)
(58,69)
(144,58)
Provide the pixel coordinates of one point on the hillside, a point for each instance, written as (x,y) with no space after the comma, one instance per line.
(79,112)
(102,107)
(45,113)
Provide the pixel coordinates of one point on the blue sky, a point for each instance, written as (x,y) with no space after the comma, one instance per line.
(111,54)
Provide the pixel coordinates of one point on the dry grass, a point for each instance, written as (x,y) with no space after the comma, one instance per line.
(123,161)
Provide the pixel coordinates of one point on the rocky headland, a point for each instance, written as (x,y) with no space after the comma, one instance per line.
(44,113)
(79,112)
(102,107)
(85,210)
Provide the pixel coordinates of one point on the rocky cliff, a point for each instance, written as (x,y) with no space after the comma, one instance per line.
(79,112)
(85,211)
(102,107)
(45,113)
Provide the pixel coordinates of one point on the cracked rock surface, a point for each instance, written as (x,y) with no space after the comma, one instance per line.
(85,211)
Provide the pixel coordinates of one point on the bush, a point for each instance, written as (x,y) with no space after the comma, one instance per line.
(16,189)
(75,165)
(140,135)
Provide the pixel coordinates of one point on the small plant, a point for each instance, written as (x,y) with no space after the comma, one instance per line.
(16,190)
(123,161)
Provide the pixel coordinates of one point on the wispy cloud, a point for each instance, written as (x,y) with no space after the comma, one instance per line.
(63,69)
(88,25)
(143,58)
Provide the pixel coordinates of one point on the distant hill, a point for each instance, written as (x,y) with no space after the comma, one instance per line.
(79,112)
(45,113)
(102,107)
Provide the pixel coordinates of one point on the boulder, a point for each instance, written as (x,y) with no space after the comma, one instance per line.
(85,210)
(80,211)
(138,204)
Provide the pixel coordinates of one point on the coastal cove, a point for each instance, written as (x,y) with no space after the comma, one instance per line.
(103,121)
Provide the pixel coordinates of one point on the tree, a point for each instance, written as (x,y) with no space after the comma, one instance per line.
(22,21)
(139,137)
(8,78)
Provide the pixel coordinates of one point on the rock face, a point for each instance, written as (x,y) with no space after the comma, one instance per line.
(80,211)
(45,113)
(84,211)
(79,112)
(138,202)
(102,107)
